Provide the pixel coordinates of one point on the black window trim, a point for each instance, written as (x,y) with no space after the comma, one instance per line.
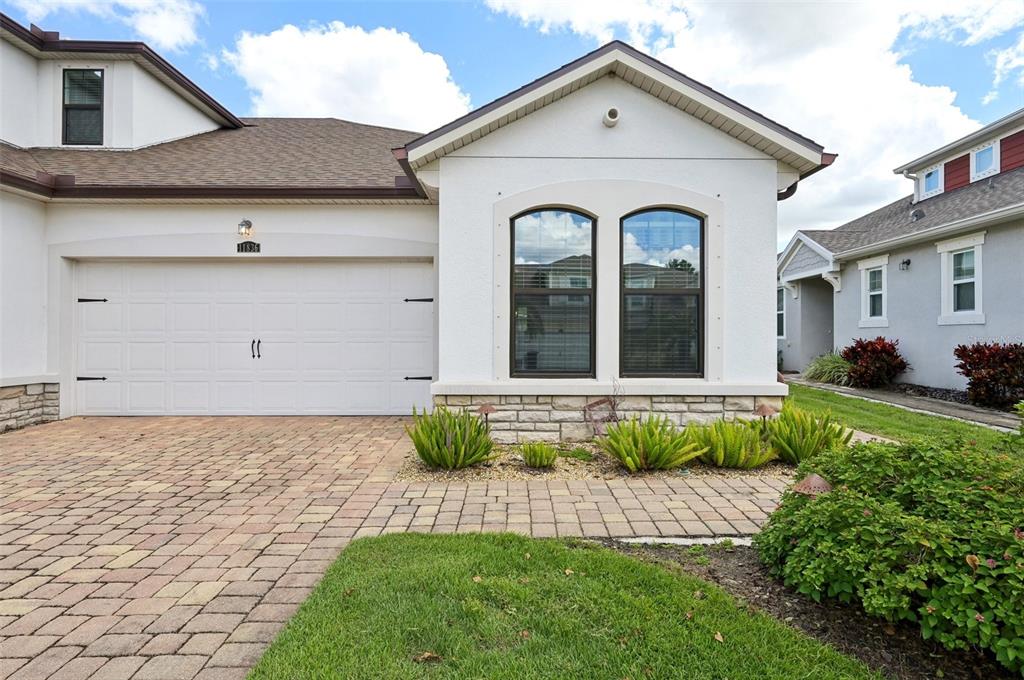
(65,106)
(513,290)
(700,294)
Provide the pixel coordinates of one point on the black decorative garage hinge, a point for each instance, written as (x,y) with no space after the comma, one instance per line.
(248,247)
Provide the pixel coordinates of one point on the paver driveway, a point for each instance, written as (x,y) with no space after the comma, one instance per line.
(153,548)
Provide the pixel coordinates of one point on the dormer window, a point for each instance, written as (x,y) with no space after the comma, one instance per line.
(931,182)
(83,106)
(984,161)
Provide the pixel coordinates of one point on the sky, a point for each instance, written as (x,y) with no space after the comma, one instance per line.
(879,82)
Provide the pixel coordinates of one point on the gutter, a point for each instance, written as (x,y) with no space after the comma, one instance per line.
(991,217)
(401,155)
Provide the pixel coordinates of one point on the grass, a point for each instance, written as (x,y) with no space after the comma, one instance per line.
(578,452)
(889,421)
(504,606)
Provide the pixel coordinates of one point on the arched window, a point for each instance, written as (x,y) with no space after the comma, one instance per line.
(552,294)
(662,294)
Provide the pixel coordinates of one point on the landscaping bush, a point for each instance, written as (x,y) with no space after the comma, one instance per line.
(732,444)
(829,368)
(450,441)
(924,532)
(652,444)
(994,372)
(795,435)
(873,363)
(538,454)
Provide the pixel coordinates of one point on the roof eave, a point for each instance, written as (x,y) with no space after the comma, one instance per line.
(964,143)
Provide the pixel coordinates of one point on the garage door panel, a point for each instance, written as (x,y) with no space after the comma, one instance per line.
(178,338)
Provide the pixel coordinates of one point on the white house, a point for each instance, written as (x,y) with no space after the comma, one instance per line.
(607,229)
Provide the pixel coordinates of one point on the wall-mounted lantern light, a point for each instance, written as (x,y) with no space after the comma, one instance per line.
(905,265)
(245,228)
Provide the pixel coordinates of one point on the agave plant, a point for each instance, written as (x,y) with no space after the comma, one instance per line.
(652,444)
(732,444)
(538,454)
(450,441)
(796,435)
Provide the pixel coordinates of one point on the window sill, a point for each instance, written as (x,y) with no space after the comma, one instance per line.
(597,387)
(962,319)
(877,322)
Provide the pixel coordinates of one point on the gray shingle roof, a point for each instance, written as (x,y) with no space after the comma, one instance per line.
(894,220)
(268,152)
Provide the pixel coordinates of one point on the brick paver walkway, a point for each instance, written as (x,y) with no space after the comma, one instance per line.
(159,548)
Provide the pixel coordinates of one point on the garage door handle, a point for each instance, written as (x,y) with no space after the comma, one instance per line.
(418,377)
(258,343)
(252,348)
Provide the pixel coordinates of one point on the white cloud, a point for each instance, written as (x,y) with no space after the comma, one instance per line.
(380,76)
(550,236)
(1009,61)
(164,24)
(831,71)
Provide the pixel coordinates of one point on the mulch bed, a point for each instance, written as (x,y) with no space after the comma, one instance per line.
(896,651)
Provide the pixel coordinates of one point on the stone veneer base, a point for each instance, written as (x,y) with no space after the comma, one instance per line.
(520,418)
(23,405)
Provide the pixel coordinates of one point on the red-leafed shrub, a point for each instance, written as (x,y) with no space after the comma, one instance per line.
(874,363)
(994,372)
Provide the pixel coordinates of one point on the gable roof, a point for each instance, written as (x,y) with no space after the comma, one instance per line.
(268,157)
(1005,124)
(643,71)
(991,200)
(48,45)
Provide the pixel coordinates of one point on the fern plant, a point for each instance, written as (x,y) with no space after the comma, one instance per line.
(538,454)
(450,441)
(731,444)
(829,368)
(652,444)
(796,435)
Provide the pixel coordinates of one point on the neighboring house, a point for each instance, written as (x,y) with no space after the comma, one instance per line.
(941,267)
(607,229)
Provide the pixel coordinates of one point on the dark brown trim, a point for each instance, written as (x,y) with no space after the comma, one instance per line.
(592,292)
(16,181)
(827,159)
(699,293)
(633,52)
(402,156)
(48,41)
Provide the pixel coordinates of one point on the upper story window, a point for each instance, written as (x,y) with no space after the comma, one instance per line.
(83,106)
(931,182)
(552,294)
(780,313)
(663,305)
(985,161)
(874,284)
(960,270)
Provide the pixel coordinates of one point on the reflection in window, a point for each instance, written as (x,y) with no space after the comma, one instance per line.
(552,294)
(963,281)
(83,106)
(661,288)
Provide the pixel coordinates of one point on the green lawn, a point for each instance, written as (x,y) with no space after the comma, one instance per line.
(888,421)
(505,606)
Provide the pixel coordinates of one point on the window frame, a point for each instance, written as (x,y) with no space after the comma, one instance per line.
(701,296)
(994,145)
(874,264)
(64,106)
(513,372)
(780,292)
(948,316)
(940,171)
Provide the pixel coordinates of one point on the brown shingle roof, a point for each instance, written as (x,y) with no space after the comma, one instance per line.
(269,153)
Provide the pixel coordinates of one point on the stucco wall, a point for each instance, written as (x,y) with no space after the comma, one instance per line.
(159,114)
(914,306)
(562,154)
(18,112)
(22,289)
(808,324)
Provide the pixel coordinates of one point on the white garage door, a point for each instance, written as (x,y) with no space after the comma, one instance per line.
(253,338)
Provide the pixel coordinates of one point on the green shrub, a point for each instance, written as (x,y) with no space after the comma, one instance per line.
(450,441)
(652,444)
(538,454)
(925,532)
(731,444)
(577,452)
(795,435)
(829,368)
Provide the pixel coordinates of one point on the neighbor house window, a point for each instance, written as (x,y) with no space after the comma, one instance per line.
(931,183)
(873,278)
(553,294)
(984,161)
(780,313)
(83,106)
(960,271)
(662,309)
